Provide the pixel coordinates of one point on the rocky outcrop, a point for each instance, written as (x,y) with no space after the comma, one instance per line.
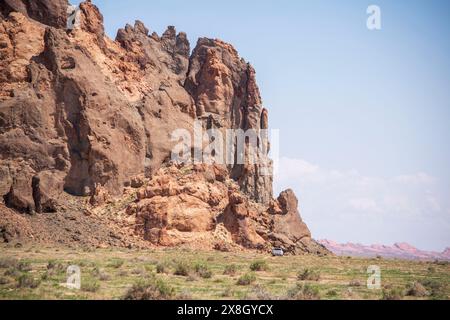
(82,115)
(202,207)
(49,12)
(225,92)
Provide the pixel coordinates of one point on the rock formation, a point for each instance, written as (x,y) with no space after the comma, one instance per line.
(86,117)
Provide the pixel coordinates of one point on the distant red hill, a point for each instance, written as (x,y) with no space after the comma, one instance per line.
(396,251)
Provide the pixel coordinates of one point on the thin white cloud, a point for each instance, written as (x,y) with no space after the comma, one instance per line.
(349,206)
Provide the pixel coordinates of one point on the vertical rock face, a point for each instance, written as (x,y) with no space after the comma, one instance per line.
(224,89)
(84,115)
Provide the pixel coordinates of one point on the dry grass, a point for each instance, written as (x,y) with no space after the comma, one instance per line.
(39,272)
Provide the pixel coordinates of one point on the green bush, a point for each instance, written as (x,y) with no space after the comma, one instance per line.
(303,291)
(115,263)
(182,268)
(332,293)
(435,288)
(309,275)
(203,270)
(259,265)
(90,285)
(24,266)
(246,279)
(160,268)
(155,289)
(393,294)
(12,272)
(27,281)
(230,270)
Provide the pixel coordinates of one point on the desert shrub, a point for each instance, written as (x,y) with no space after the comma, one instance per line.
(393,294)
(246,279)
(303,291)
(12,272)
(182,268)
(184,295)
(123,273)
(103,276)
(51,264)
(24,266)
(230,270)
(355,283)
(228,292)
(154,289)
(115,263)
(160,268)
(416,289)
(308,274)
(3,281)
(434,287)
(259,265)
(431,269)
(139,271)
(27,281)
(191,278)
(332,293)
(203,270)
(7,262)
(260,293)
(60,267)
(90,285)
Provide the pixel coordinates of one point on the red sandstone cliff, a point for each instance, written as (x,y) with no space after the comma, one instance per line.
(86,117)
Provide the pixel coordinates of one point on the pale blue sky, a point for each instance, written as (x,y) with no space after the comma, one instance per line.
(368,108)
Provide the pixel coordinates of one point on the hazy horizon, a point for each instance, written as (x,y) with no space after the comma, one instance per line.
(363,115)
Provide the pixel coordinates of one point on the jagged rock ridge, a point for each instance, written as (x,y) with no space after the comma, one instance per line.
(82,115)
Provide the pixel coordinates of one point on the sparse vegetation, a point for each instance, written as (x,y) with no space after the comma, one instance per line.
(436,289)
(24,266)
(246,279)
(155,289)
(116,263)
(160,268)
(27,281)
(230,270)
(303,291)
(182,268)
(355,283)
(203,270)
(90,285)
(332,293)
(111,273)
(393,294)
(309,275)
(7,262)
(4,280)
(259,265)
